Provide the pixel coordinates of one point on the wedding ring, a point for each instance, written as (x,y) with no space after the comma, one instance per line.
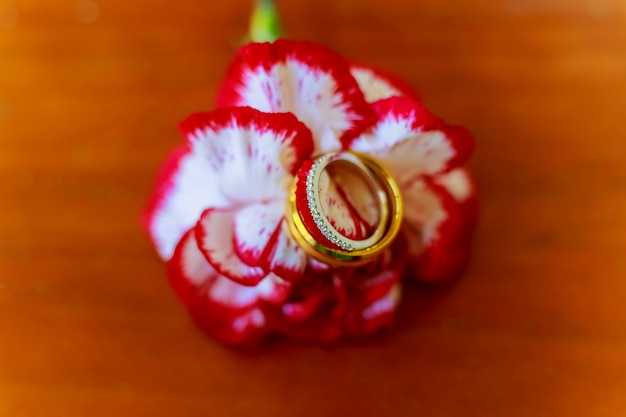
(311,227)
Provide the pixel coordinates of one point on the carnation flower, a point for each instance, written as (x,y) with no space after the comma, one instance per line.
(217,215)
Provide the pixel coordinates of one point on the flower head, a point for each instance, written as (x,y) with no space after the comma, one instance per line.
(218,211)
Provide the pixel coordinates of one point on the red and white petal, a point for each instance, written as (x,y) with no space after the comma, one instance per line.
(185,187)
(311,312)
(245,248)
(250,152)
(262,239)
(438,229)
(412,142)
(302,78)
(215,233)
(374,285)
(302,310)
(318,295)
(347,301)
(286,259)
(228,311)
(255,225)
(273,289)
(188,269)
(459,184)
(377,315)
(376,84)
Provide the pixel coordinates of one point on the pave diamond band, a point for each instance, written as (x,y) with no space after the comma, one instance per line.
(316,213)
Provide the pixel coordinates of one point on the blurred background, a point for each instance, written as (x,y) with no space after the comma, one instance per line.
(91,92)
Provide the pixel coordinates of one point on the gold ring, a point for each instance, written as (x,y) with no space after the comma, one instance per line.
(313,231)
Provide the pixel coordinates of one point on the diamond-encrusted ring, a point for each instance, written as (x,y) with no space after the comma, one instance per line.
(313,215)
(313,230)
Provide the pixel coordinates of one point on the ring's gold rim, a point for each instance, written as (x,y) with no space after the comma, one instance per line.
(338,257)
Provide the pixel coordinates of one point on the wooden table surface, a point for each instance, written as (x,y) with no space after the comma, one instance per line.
(90,95)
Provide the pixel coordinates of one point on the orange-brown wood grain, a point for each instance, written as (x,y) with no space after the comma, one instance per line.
(90,95)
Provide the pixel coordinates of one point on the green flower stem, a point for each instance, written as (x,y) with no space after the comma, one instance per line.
(264,25)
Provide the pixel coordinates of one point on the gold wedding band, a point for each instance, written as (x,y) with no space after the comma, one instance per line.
(314,232)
